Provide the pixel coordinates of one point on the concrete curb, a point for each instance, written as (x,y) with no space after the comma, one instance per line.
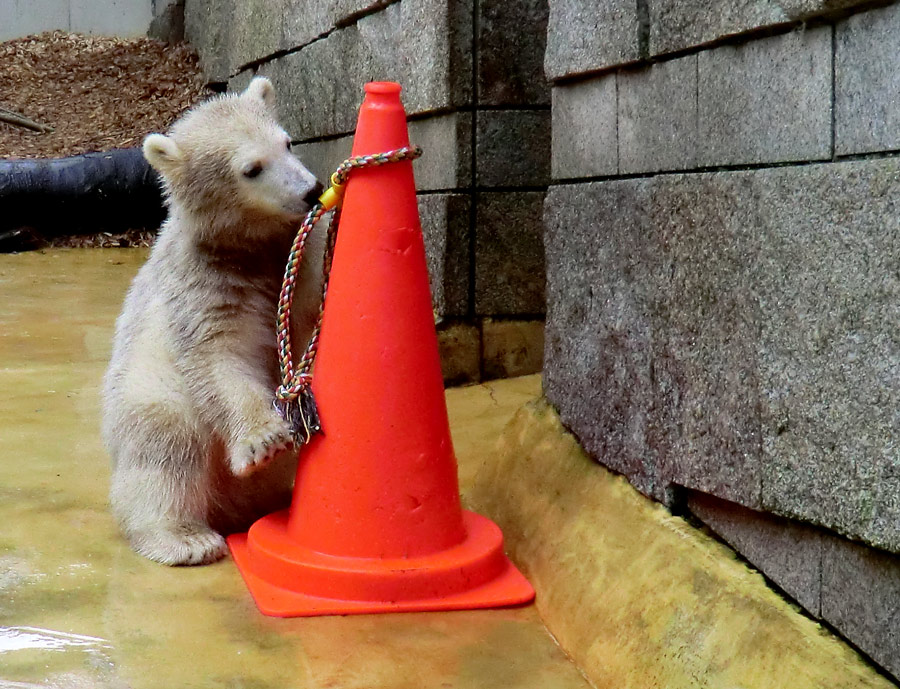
(637,597)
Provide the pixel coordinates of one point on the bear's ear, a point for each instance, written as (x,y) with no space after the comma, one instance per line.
(261,89)
(162,153)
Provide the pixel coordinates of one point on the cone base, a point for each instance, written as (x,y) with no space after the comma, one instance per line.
(287,580)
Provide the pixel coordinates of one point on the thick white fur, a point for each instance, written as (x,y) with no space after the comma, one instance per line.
(197,449)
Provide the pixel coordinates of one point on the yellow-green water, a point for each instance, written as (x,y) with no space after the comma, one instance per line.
(79,609)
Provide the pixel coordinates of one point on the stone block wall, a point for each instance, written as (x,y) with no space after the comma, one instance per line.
(477,104)
(722,238)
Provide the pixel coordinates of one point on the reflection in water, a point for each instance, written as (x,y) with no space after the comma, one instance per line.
(32,638)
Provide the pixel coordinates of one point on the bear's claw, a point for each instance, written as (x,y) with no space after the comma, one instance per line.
(260,446)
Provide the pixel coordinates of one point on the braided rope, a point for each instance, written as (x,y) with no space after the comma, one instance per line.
(293,398)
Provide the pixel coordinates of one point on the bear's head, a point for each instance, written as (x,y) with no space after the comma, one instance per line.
(229,162)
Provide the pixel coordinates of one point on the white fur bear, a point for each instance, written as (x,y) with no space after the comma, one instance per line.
(197,448)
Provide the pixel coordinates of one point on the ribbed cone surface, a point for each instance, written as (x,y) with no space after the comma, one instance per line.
(381,482)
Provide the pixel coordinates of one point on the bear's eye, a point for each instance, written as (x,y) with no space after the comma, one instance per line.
(288,144)
(253,171)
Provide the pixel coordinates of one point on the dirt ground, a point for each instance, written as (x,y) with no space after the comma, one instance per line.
(96,92)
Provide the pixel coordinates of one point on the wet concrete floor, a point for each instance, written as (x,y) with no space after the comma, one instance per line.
(79,609)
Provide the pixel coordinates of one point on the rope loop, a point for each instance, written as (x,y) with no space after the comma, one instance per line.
(293,398)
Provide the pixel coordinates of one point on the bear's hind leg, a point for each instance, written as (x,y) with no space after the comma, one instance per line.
(160,494)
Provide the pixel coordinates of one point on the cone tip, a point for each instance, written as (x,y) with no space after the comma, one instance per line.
(383,87)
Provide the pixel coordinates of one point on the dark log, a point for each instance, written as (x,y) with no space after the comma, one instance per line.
(109,191)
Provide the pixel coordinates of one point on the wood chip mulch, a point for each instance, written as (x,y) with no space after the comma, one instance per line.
(96,92)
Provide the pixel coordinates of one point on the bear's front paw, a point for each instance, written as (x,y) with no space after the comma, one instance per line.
(260,446)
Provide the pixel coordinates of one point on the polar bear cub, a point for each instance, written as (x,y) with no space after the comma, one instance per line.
(197,448)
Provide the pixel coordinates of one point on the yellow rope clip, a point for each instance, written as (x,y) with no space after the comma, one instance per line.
(333,195)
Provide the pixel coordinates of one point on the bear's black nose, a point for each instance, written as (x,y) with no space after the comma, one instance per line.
(313,194)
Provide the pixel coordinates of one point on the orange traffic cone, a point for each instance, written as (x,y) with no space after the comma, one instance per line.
(375,523)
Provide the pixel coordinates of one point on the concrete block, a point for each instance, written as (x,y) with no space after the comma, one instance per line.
(509,254)
(767,100)
(589,35)
(735,333)
(827,282)
(207,26)
(509,68)
(446,162)
(305,20)
(256,31)
(584,129)
(322,157)
(378,47)
(511,348)
(440,33)
(18,19)
(446,219)
(650,332)
(460,349)
(446,141)
(658,117)
(242,79)
(321,105)
(861,598)
(867,81)
(788,552)
(512,148)
(680,24)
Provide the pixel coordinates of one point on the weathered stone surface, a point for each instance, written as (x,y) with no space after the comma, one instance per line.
(861,597)
(767,100)
(445,164)
(736,333)
(512,148)
(588,35)
(658,117)
(788,552)
(255,31)
(168,21)
(446,142)
(512,38)
(242,79)
(680,24)
(459,345)
(379,46)
(446,219)
(511,348)
(305,20)
(208,25)
(509,254)
(584,125)
(322,157)
(867,81)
